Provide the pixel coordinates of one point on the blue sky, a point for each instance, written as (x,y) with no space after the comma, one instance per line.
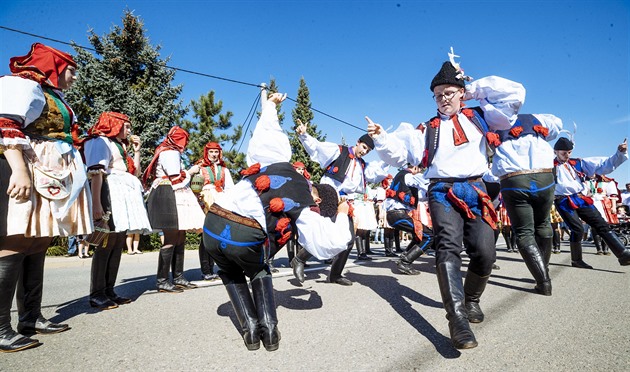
(374,58)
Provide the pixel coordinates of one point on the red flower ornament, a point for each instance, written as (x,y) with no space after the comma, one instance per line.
(541,130)
(516,131)
(493,139)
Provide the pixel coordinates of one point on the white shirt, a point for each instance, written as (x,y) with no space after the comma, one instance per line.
(567,180)
(318,235)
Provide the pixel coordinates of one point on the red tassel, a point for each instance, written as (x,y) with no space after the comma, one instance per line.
(276,205)
(253,169)
(262,183)
(541,130)
(493,139)
(516,131)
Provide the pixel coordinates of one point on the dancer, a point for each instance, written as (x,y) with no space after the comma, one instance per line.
(43,188)
(262,209)
(117,197)
(453,148)
(348,173)
(172,208)
(574,206)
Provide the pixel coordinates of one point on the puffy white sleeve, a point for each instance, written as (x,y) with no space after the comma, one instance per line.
(551,122)
(602,165)
(21,102)
(97,153)
(269,144)
(499,98)
(403,146)
(376,171)
(229,182)
(322,153)
(170,162)
(322,237)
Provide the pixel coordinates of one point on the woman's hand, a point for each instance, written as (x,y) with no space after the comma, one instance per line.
(19,185)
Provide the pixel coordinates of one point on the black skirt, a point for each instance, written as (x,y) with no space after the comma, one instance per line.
(162,208)
(5,175)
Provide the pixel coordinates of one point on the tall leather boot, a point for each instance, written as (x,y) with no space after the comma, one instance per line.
(164,265)
(98,275)
(452,291)
(177,266)
(538,268)
(245,311)
(298,262)
(404,264)
(336,268)
(545,246)
(597,240)
(205,263)
(291,248)
(112,272)
(366,243)
(361,255)
(10,341)
(389,250)
(576,256)
(397,241)
(556,241)
(508,239)
(616,246)
(29,298)
(262,289)
(474,285)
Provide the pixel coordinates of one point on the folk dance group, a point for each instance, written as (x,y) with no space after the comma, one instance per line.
(50,189)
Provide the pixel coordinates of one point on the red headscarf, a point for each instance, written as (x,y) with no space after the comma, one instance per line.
(109,124)
(42,64)
(176,139)
(299,164)
(205,162)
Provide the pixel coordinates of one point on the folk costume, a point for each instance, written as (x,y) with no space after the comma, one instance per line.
(292,245)
(216,179)
(173,208)
(36,120)
(348,174)
(407,210)
(259,215)
(574,206)
(455,151)
(523,161)
(121,195)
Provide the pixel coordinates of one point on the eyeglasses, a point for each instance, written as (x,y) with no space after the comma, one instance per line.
(446,95)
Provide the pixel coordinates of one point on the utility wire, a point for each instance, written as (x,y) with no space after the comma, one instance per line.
(250,116)
(181,70)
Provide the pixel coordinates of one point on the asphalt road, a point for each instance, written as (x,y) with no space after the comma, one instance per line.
(384,322)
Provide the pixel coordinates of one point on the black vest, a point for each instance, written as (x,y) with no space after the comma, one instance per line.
(525,121)
(402,192)
(337,169)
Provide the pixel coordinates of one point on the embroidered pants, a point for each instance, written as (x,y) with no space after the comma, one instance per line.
(528,199)
(452,228)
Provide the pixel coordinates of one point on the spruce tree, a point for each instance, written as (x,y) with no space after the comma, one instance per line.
(303,112)
(204,129)
(127,75)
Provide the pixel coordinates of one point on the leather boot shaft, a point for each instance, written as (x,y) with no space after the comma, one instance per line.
(452,291)
(616,246)
(30,287)
(265,303)
(245,311)
(537,267)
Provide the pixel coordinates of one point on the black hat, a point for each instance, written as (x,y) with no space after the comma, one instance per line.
(448,75)
(563,144)
(367,140)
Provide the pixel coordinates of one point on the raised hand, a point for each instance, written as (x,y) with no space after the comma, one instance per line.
(373,128)
(624,146)
(301,128)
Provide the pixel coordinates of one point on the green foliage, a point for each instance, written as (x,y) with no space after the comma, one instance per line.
(127,75)
(303,112)
(208,121)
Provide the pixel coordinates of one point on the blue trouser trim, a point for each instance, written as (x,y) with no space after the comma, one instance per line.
(232,242)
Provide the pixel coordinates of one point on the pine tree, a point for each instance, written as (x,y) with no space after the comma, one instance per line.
(303,112)
(209,120)
(127,75)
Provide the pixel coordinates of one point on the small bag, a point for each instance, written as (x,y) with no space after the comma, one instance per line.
(101,230)
(53,185)
(196,183)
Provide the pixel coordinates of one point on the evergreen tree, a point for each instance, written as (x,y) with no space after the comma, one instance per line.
(127,75)
(303,112)
(209,120)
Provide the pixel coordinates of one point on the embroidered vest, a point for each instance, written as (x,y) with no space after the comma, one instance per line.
(337,169)
(56,118)
(401,192)
(526,123)
(284,193)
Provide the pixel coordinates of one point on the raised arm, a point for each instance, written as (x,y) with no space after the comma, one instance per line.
(321,152)
(403,146)
(499,98)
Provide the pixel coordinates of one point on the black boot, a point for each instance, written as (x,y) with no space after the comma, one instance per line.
(98,282)
(452,291)
(245,311)
(545,246)
(536,265)
(576,256)
(112,272)
(10,340)
(297,263)
(262,289)
(291,248)
(508,239)
(164,265)
(389,250)
(177,266)
(474,285)
(404,264)
(336,268)
(616,246)
(272,268)
(556,241)
(366,244)
(206,263)
(598,244)
(397,241)
(29,298)
(361,255)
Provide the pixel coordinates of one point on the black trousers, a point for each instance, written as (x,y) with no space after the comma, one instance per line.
(400,220)
(452,229)
(588,214)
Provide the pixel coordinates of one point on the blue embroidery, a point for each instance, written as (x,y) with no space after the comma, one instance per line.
(439,193)
(224,241)
(289,204)
(225,234)
(276,182)
(532,188)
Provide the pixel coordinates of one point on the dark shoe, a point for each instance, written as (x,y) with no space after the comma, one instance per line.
(390,254)
(184,284)
(209,277)
(474,285)
(616,246)
(12,341)
(599,253)
(496,267)
(116,298)
(406,268)
(42,325)
(167,287)
(342,281)
(581,264)
(544,288)
(364,257)
(462,336)
(102,303)
(298,269)
(475,315)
